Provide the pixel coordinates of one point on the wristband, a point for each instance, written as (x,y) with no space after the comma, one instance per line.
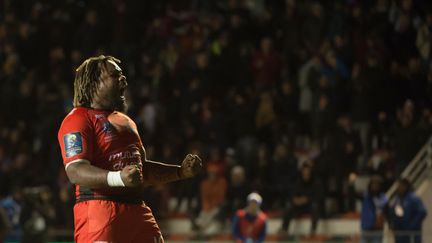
(114,179)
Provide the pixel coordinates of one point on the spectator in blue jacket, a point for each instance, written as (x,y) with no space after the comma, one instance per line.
(11,207)
(407,214)
(374,204)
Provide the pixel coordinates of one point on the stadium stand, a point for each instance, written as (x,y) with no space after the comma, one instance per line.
(264,85)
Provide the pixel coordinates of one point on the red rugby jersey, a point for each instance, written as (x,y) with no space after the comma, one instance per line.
(105,139)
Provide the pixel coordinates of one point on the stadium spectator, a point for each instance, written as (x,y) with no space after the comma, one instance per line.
(238,189)
(286,106)
(243,130)
(341,155)
(306,198)
(322,117)
(366,84)
(407,138)
(249,225)
(374,206)
(266,64)
(260,173)
(213,195)
(65,208)
(381,164)
(265,118)
(307,79)
(37,214)
(313,28)
(406,214)
(282,174)
(424,33)
(382,131)
(12,207)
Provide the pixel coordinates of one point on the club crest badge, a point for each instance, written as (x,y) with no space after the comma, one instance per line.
(107,127)
(73,144)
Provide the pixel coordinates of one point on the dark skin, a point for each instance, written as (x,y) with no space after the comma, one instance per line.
(402,189)
(110,96)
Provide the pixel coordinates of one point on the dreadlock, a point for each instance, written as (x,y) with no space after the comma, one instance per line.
(87,78)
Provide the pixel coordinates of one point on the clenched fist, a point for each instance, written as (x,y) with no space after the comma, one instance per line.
(191,166)
(131,176)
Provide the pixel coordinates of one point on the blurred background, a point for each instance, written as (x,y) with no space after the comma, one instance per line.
(261,89)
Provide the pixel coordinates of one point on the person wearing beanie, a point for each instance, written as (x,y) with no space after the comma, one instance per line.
(249,225)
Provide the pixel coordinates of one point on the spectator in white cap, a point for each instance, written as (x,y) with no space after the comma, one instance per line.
(250,224)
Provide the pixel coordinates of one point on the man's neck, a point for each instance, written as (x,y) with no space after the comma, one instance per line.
(98,106)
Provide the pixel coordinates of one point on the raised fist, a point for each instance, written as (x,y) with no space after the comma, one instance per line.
(131,176)
(191,166)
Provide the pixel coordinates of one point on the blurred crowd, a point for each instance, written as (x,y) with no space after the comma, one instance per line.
(259,88)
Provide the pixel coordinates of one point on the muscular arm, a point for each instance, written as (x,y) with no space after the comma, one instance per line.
(85,174)
(155,173)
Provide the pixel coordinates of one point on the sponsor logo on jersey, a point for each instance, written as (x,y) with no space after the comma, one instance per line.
(131,152)
(130,156)
(73,144)
(120,165)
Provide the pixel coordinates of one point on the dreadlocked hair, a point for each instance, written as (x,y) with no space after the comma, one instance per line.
(87,78)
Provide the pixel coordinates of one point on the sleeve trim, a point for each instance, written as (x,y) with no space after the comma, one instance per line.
(77,161)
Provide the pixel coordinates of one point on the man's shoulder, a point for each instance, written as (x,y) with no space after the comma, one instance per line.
(75,117)
(412,196)
(77,113)
(120,118)
(123,115)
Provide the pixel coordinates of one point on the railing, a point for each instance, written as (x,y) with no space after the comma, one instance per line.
(417,170)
